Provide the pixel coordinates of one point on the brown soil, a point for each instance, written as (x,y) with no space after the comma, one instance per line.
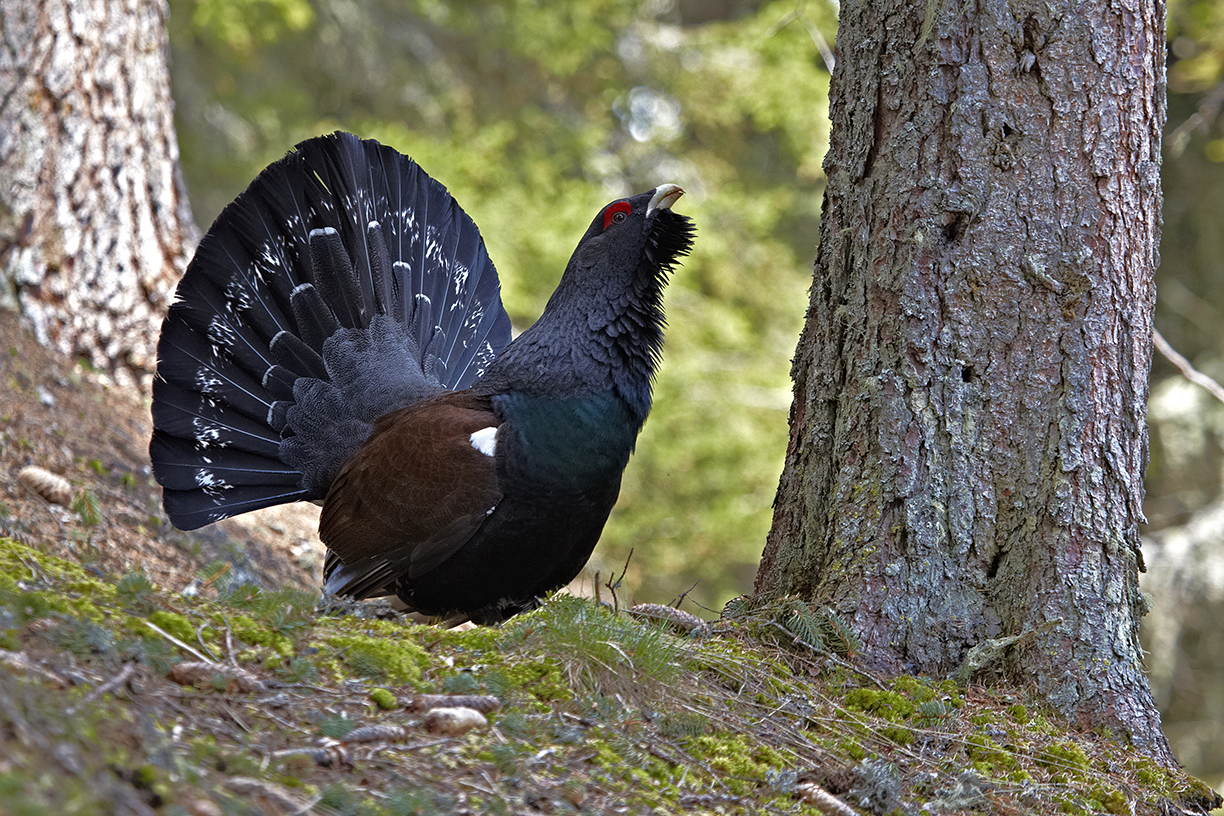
(56,415)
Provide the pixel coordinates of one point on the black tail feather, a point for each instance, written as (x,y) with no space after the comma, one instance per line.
(292,353)
(189,513)
(234,469)
(380,268)
(315,320)
(279,382)
(283,292)
(180,414)
(191,362)
(206,310)
(337,280)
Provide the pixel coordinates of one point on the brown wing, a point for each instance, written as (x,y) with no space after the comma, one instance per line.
(417,489)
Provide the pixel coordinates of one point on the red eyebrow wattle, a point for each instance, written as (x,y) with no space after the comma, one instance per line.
(613,209)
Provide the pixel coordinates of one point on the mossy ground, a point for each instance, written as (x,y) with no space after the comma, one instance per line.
(600,713)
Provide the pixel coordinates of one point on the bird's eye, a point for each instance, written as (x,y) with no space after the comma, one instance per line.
(616,213)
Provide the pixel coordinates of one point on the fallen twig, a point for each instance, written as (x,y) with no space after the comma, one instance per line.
(234,677)
(190,649)
(613,583)
(119,679)
(824,801)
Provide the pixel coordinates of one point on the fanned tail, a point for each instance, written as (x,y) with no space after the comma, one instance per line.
(344,283)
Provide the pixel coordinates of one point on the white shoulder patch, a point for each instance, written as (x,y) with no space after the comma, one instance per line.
(485,441)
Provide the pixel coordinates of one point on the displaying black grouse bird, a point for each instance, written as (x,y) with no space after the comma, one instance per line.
(339,338)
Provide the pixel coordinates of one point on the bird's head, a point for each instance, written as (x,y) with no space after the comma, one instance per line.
(604,322)
(623,261)
(639,234)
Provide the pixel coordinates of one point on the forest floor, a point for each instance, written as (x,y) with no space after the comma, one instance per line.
(144,670)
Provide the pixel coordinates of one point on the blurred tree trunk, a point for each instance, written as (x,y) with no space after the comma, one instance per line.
(1185,642)
(967,436)
(94,223)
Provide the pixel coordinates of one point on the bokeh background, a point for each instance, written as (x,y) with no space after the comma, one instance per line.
(536,114)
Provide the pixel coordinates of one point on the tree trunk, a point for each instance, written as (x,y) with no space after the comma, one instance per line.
(94,223)
(967,436)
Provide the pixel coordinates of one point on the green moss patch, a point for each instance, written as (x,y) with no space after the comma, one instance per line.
(887,705)
(393,661)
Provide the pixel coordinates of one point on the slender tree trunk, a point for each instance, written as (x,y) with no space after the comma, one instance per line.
(967,437)
(94,223)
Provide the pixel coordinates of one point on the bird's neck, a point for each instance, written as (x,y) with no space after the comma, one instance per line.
(590,348)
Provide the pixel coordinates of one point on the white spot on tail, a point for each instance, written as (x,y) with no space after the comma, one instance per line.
(485,441)
(207,433)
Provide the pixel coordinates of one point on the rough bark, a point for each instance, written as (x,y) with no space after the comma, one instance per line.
(94,224)
(967,437)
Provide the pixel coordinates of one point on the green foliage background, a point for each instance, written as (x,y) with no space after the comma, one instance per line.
(535,115)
